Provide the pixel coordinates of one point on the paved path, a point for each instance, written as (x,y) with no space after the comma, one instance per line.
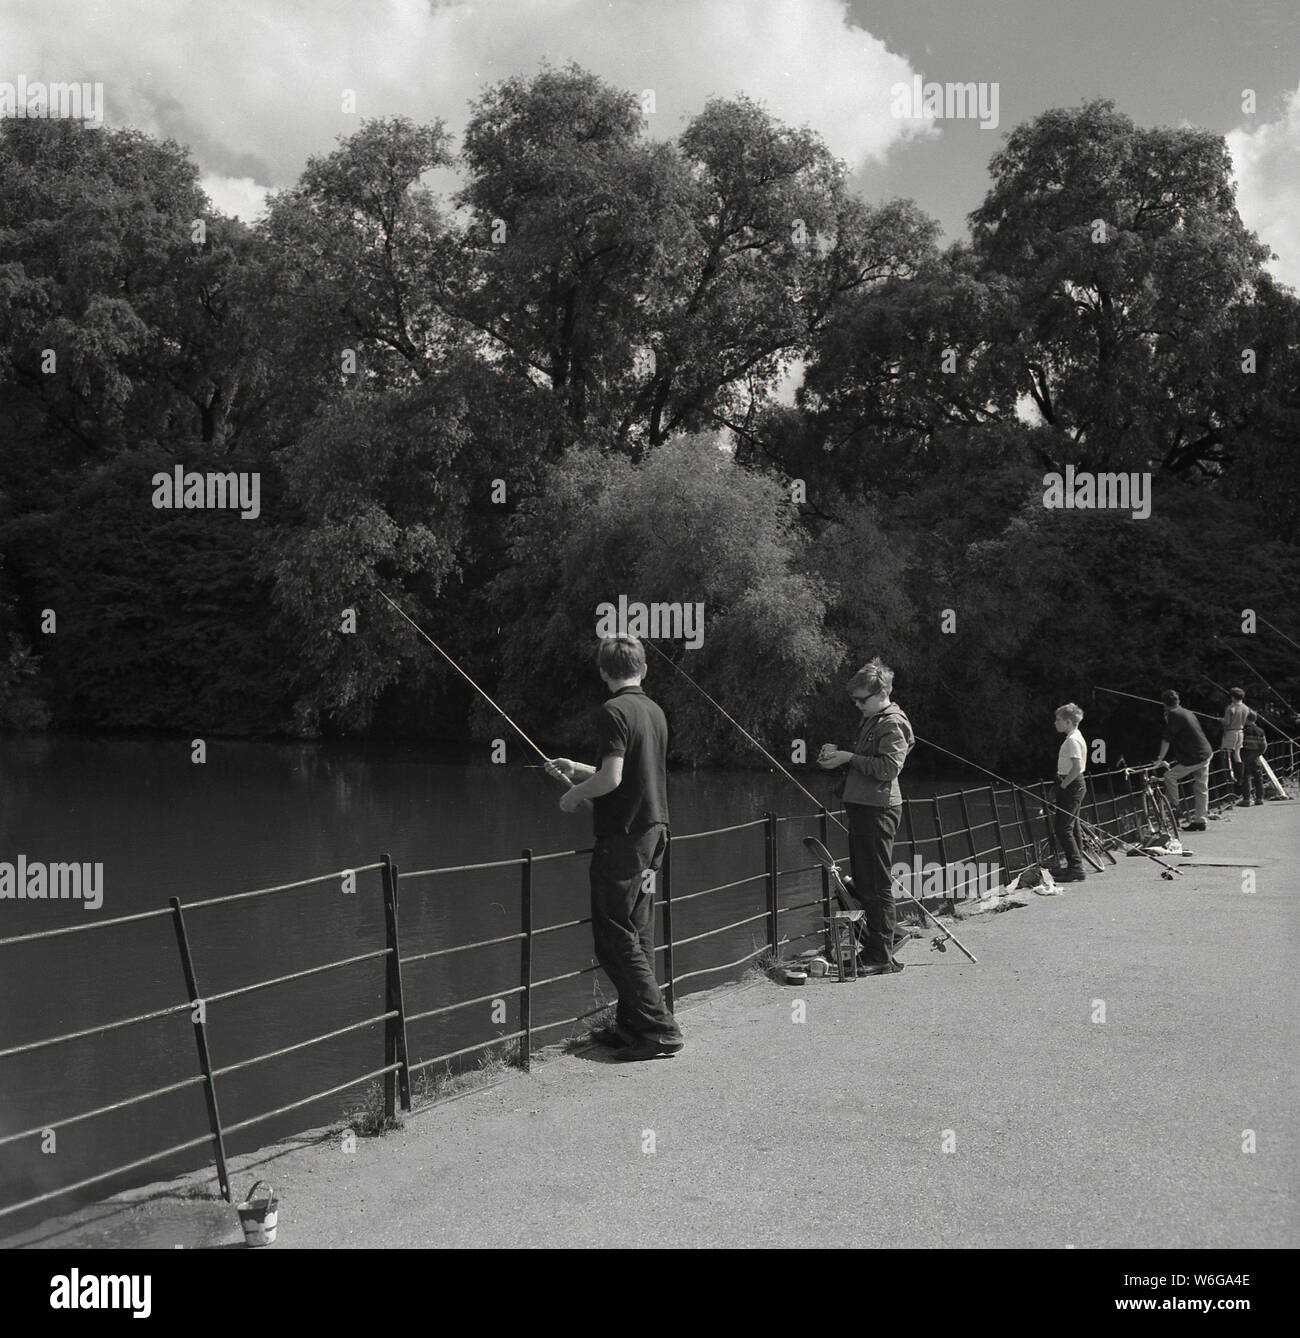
(1064,1130)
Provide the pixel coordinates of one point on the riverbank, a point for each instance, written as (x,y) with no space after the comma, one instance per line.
(1098,1079)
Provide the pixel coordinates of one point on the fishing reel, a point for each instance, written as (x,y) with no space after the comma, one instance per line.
(939,943)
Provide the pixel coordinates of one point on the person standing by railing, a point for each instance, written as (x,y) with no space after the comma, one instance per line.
(1253,747)
(628,790)
(874,804)
(1234,722)
(1071,764)
(1185,741)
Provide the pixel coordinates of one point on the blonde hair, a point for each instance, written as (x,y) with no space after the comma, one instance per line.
(874,676)
(1070,712)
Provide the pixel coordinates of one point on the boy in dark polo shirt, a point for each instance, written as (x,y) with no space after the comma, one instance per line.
(1185,742)
(628,792)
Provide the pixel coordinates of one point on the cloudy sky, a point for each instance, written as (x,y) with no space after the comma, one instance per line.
(254,87)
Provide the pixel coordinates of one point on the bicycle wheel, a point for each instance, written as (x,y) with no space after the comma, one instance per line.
(1091,849)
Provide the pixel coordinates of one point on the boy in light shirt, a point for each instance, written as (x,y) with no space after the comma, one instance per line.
(1071,763)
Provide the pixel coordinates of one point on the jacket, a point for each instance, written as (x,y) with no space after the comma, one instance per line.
(1254,743)
(879,752)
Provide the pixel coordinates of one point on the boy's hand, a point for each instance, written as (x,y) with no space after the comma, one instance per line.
(559,767)
(571,802)
(831,758)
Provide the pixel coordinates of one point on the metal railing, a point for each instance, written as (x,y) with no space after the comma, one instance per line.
(963,828)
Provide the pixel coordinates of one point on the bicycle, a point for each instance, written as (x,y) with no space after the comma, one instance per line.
(1157,811)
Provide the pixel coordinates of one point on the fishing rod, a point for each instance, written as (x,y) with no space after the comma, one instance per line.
(1086,825)
(1150,700)
(898,887)
(1257,674)
(1268,720)
(499,710)
(1280,633)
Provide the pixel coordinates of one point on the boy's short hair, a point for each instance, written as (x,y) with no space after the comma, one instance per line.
(874,676)
(1070,712)
(621,657)
(1169,697)
(1238,693)
(1251,713)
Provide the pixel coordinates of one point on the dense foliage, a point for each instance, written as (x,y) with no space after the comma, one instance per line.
(557,388)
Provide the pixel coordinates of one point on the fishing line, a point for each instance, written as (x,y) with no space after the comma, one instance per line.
(1257,674)
(1280,633)
(1151,701)
(745,732)
(1268,720)
(503,714)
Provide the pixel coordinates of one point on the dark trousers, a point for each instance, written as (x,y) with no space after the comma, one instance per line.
(1065,820)
(871,850)
(623,928)
(1252,776)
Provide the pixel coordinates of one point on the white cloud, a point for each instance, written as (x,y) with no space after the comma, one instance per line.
(254,87)
(240,197)
(1266,164)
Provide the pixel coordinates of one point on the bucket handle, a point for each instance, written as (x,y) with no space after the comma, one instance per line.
(270,1195)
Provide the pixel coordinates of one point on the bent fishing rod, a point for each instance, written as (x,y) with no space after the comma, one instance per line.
(499,710)
(898,887)
(1083,822)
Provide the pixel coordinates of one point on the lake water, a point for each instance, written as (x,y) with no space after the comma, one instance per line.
(259,814)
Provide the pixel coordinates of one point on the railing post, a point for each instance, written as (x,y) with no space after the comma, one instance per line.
(1030,847)
(526,962)
(970,837)
(667,877)
(997,826)
(913,914)
(823,832)
(198,1013)
(773,929)
(943,845)
(399,1082)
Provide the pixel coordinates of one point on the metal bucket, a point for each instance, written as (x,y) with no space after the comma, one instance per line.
(258,1215)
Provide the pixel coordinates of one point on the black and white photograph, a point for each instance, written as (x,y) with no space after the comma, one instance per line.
(649,625)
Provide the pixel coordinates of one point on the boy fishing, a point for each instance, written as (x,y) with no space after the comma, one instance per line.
(1071,763)
(874,804)
(628,792)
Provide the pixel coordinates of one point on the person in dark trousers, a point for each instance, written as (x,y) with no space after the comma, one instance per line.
(1253,747)
(1185,742)
(628,793)
(874,804)
(1071,763)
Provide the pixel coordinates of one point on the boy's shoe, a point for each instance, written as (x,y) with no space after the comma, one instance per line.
(1243,803)
(1259,803)
(610,1036)
(1193,827)
(889,968)
(1071,876)
(648,1050)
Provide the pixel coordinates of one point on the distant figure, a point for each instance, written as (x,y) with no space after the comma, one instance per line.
(1253,747)
(1234,721)
(628,790)
(1184,740)
(1071,763)
(874,804)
